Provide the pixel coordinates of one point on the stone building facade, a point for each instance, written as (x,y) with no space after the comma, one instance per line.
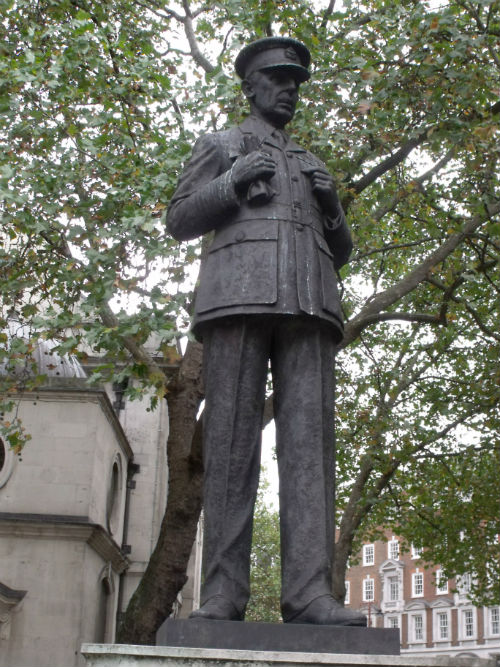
(80,512)
(435,615)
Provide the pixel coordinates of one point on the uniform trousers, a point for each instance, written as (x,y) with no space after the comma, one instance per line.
(237,351)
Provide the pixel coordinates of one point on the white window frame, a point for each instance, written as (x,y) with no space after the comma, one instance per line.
(493,618)
(464,612)
(347,598)
(416,552)
(465,584)
(372,586)
(368,554)
(393,588)
(441,583)
(413,628)
(438,614)
(420,576)
(393,545)
(392,621)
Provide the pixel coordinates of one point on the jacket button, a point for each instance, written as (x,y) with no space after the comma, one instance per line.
(300,228)
(295,178)
(240,236)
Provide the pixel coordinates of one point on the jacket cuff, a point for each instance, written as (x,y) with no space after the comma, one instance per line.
(333,223)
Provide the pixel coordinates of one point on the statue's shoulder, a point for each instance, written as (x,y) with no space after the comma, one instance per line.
(227,142)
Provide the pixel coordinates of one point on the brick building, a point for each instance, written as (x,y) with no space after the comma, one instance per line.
(434,615)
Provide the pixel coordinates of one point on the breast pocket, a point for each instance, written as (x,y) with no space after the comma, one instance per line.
(241,267)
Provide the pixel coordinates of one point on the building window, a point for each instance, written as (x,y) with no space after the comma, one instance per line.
(417,585)
(465,584)
(393,550)
(416,552)
(495,621)
(393,622)
(347,598)
(418,628)
(393,589)
(441,583)
(368,590)
(368,554)
(113,505)
(468,623)
(443,626)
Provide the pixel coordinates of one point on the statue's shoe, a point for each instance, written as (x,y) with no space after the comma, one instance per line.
(325,610)
(217,608)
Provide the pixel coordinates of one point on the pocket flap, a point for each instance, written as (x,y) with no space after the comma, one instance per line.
(323,245)
(249,230)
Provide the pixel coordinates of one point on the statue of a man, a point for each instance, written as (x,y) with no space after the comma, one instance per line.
(267,292)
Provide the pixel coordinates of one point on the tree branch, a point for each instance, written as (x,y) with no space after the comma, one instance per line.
(197,55)
(463,302)
(389,163)
(482,28)
(170,13)
(108,318)
(413,185)
(424,318)
(391,246)
(396,158)
(328,12)
(380,302)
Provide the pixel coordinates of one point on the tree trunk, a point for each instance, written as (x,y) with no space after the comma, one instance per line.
(165,574)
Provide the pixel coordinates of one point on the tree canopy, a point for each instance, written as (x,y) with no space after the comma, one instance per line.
(101,102)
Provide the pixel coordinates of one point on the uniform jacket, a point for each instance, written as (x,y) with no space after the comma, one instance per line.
(272,257)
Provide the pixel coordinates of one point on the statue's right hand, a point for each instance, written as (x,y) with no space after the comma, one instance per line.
(252,167)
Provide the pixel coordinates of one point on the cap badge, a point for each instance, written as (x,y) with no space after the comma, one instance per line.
(291,54)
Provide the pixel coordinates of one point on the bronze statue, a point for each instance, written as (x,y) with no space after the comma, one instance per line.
(267,292)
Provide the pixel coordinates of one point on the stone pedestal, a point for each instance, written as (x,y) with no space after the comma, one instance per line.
(113,655)
(278,637)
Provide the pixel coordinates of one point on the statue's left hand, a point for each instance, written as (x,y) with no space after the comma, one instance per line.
(324,189)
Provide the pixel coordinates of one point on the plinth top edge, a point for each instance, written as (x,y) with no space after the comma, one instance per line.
(274,658)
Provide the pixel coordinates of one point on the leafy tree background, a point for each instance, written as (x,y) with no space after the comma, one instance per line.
(100,104)
(265,561)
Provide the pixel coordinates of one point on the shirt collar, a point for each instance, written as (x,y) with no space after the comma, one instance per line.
(264,131)
(259,127)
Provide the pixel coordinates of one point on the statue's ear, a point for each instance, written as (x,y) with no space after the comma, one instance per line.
(247,89)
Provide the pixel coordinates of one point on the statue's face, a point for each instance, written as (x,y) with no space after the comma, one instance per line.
(273,95)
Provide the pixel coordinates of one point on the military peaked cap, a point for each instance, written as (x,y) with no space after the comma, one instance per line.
(272,52)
